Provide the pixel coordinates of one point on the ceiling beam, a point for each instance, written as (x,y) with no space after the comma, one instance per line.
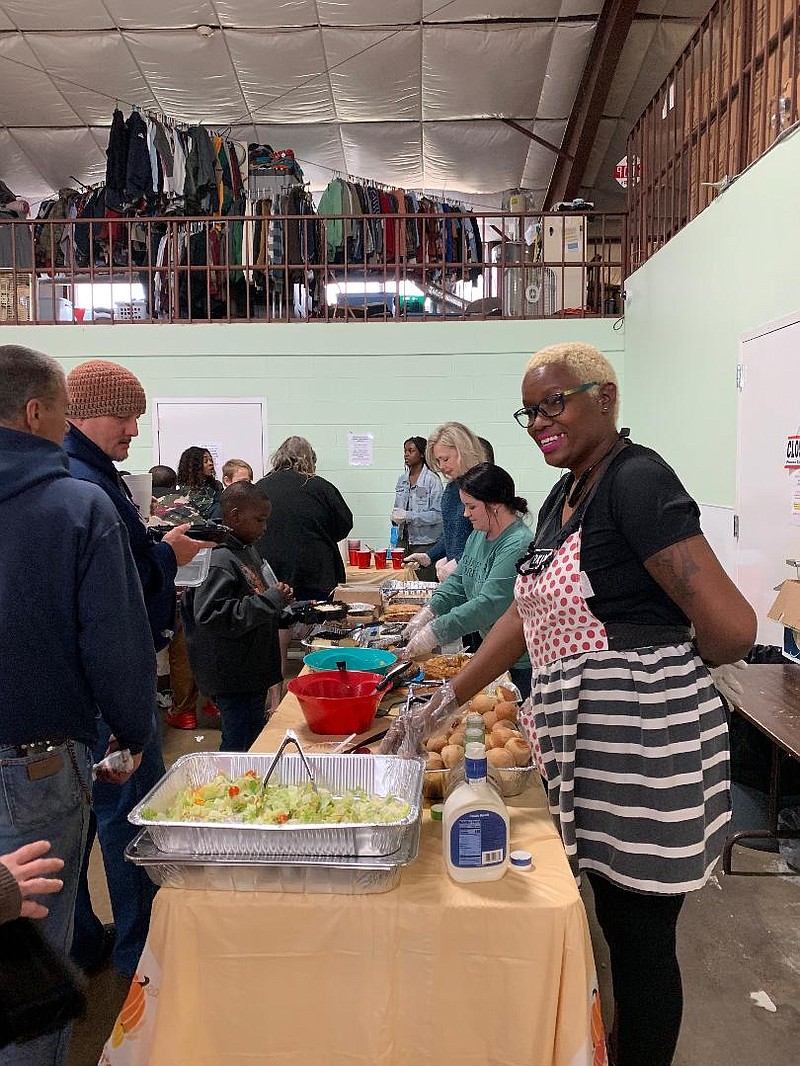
(613,25)
(539,140)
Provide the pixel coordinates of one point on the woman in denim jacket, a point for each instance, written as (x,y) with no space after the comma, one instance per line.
(418,504)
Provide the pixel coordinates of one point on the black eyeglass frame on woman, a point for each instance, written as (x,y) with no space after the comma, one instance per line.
(551,406)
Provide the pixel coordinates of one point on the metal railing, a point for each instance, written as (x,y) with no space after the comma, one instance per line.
(283,268)
(732,93)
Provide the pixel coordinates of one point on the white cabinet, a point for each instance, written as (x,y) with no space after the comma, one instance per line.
(564,252)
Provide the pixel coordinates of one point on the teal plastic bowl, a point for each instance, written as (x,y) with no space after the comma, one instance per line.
(373,660)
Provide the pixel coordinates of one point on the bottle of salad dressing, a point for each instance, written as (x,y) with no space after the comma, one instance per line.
(475,824)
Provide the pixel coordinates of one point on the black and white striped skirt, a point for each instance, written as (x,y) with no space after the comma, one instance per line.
(635,749)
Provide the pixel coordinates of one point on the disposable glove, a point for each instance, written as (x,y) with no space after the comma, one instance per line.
(445,567)
(420,619)
(408,733)
(726,681)
(421,643)
(399,515)
(417,559)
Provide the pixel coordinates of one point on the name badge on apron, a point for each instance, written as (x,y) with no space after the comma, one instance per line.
(536,561)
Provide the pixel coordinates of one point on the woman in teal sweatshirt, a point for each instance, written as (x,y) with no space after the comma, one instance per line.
(481,588)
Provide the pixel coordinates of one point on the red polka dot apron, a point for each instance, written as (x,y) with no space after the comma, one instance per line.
(637,787)
(556,619)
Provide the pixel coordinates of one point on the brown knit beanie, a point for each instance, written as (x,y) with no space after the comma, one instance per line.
(100,387)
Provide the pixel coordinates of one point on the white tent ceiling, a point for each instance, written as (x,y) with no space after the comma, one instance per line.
(406,92)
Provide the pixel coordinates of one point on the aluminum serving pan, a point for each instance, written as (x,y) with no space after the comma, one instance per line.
(407,591)
(378,774)
(362,875)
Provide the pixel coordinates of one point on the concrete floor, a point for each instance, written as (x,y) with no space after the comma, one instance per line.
(739,935)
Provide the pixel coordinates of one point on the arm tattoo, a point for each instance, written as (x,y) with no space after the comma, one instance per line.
(677,570)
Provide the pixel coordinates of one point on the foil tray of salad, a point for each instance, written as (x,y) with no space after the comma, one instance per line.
(349,876)
(212,804)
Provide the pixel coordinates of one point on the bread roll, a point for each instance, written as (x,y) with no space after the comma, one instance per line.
(501,734)
(489,720)
(506,712)
(437,743)
(452,755)
(500,757)
(458,736)
(520,750)
(482,703)
(434,761)
(505,694)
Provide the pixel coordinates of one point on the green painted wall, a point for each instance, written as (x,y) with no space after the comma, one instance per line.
(320,381)
(731,270)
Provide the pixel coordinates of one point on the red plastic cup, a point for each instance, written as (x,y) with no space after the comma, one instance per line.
(352,554)
(398,554)
(363,559)
(78,313)
(380,560)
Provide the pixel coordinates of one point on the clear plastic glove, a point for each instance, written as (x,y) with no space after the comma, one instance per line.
(399,515)
(408,733)
(445,567)
(726,681)
(421,643)
(420,619)
(417,559)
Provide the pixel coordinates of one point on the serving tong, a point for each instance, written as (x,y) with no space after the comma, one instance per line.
(391,679)
(290,737)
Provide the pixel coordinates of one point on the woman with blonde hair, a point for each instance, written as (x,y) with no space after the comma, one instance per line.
(452,450)
(627,616)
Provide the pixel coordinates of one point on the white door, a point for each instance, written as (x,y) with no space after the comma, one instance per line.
(769,414)
(229,428)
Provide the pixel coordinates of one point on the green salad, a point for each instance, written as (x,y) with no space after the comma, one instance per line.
(242,799)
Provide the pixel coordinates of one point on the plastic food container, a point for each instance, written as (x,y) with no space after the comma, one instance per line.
(194,573)
(336,705)
(371,660)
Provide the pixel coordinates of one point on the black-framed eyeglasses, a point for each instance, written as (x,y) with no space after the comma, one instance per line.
(551,406)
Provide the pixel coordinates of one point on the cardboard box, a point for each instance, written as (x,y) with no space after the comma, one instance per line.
(786,610)
(358,594)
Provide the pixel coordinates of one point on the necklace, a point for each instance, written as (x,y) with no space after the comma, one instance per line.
(576,491)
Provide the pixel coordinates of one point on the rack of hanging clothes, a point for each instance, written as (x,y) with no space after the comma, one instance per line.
(156,170)
(437,235)
(282,241)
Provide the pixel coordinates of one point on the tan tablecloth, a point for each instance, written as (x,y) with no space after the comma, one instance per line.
(497,974)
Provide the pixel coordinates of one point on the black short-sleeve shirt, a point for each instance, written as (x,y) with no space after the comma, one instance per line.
(639,508)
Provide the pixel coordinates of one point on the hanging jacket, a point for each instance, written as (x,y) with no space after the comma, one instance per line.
(139,173)
(116,161)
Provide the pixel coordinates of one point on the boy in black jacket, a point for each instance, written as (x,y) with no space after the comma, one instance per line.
(232,619)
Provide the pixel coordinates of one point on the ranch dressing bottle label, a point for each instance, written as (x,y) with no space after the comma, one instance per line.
(475,823)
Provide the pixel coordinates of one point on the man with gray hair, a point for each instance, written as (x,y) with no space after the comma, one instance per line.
(75,640)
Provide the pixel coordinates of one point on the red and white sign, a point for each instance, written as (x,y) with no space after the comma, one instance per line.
(792,459)
(621,172)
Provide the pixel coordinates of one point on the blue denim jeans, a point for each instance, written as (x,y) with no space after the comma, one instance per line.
(242,716)
(130,889)
(54,808)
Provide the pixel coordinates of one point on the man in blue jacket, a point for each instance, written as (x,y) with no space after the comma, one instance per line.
(105,401)
(75,640)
